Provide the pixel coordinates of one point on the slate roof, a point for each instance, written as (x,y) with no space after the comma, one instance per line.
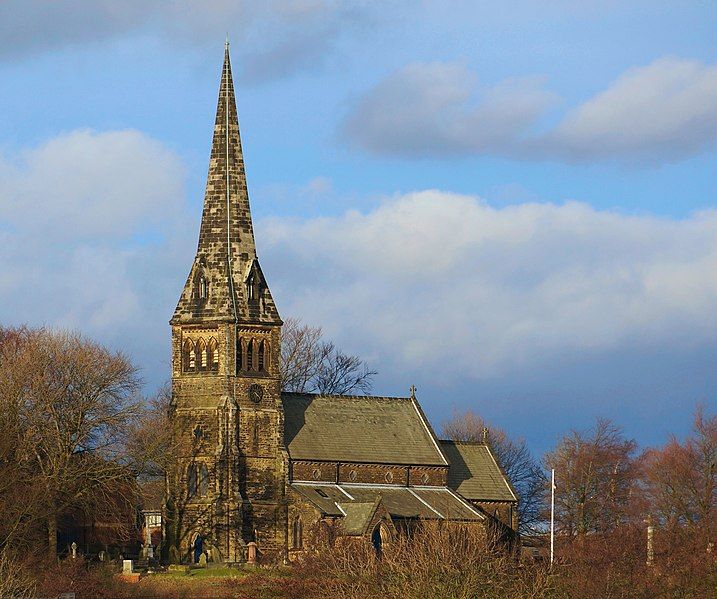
(359,515)
(353,501)
(379,430)
(474,472)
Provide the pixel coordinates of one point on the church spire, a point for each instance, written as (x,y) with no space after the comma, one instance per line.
(226,282)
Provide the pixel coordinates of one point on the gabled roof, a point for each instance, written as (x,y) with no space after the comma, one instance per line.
(474,472)
(359,516)
(355,501)
(379,430)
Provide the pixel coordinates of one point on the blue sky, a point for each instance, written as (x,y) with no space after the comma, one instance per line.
(510,205)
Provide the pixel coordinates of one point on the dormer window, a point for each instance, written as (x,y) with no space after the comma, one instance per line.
(253,288)
(200,289)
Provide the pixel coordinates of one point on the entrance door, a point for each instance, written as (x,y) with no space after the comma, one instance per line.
(198,548)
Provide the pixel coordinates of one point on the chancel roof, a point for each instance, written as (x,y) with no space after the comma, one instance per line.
(379,430)
(474,473)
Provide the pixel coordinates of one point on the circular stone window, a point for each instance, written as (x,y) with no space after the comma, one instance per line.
(389,477)
(352,475)
(424,478)
(316,474)
(256,393)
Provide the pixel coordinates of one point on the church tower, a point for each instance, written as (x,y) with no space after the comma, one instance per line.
(228,484)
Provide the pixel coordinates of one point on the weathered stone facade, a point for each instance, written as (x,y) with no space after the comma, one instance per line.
(255,464)
(229,482)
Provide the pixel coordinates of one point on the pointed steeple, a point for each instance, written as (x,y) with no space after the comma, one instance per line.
(226,281)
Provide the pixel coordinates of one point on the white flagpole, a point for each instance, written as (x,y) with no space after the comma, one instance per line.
(552,515)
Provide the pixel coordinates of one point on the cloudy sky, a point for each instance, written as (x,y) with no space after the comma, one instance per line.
(508,204)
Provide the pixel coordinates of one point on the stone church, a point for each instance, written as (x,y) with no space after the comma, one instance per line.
(255,464)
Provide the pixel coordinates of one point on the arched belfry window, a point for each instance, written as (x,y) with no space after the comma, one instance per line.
(263,361)
(250,355)
(189,356)
(241,354)
(202,357)
(213,355)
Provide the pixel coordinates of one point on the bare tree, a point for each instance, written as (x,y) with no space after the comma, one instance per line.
(522,469)
(310,364)
(596,476)
(69,403)
(681,481)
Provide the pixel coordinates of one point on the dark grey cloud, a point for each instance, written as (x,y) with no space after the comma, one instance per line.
(275,37)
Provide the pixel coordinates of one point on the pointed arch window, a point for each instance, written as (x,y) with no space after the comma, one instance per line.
(263,351)
(192,480)
(203,480)
(202,358)
(200,289)
(240,354)
(189,356)
(213,355)
(297,533)
(253,288)
(250,355)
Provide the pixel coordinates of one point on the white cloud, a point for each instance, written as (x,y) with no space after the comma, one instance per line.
(92,185)
(664,111)
(93,230)
(446,282)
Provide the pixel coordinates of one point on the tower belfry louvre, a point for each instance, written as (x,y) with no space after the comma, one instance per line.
(253,464)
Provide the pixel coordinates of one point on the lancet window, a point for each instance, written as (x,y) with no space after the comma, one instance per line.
(253,355)
(250,355)
(202,354)
(213,354)
(297,533)
(189,356)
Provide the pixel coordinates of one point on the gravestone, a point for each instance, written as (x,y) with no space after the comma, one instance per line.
(102,556)
(74,549)
(127,566)
(251,551)
(203,560)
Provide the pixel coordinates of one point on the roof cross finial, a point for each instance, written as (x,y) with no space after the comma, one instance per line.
(413,391)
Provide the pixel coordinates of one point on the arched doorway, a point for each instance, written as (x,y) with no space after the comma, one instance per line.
(198,548)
